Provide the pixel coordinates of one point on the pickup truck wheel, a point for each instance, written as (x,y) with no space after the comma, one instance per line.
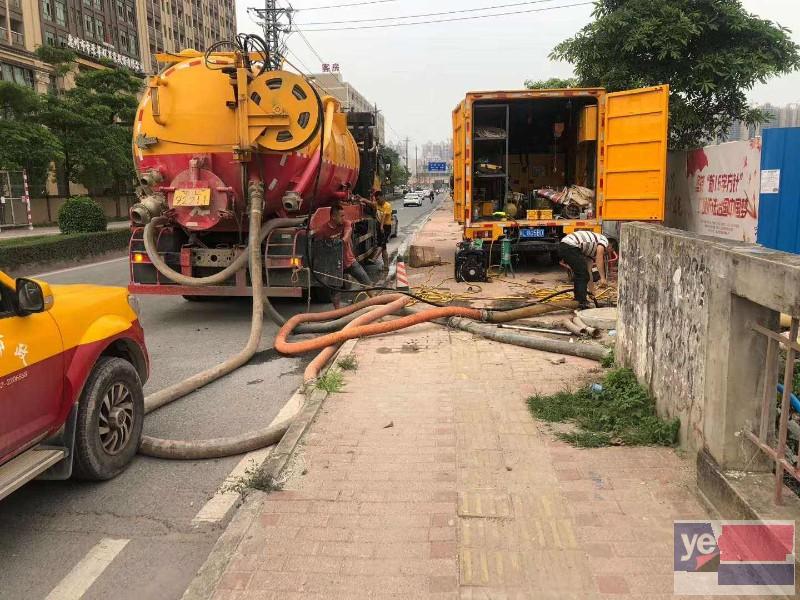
(110,419)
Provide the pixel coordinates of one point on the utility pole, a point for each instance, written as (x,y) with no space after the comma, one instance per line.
(406,141)
(272,17)
(416,164)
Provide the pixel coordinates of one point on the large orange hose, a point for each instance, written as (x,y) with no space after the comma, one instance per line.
(321,359)
(338,337)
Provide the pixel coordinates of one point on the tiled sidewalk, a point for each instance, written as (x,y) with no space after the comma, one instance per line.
(428,478)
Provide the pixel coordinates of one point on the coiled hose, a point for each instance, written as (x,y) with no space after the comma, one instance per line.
(229,446)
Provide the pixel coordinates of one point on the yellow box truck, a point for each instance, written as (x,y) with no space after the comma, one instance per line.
(577,157)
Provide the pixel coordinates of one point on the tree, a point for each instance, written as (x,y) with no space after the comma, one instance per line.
(554,83)
(24,142)
(94,122)
(710,52)
(398,175)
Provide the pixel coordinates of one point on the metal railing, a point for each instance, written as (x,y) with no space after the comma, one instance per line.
(762,439)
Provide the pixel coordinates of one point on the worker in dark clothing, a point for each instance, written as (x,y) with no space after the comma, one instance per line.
(578,250)
(339,228)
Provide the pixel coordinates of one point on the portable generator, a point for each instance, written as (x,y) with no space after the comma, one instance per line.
(472,263)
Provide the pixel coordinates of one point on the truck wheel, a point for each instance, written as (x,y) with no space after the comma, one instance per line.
(110,419)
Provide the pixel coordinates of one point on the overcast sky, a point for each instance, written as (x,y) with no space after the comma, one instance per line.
(417,74)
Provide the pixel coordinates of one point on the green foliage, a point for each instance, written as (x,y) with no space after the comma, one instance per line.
(398,175)
(22,252)
(348,363)
(94,122)
(24,142)
(80,214)
(332,382)
(608,360)
(622,413)
(710,52)
(61,59)
(554,83)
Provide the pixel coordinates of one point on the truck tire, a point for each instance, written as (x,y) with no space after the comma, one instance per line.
(110,418)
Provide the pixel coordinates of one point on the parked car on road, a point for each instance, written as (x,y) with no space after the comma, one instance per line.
(72,365)
(412,199)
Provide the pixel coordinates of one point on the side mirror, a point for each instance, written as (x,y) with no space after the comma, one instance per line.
(33,296)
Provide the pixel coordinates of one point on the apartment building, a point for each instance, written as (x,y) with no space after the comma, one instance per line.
(126,32)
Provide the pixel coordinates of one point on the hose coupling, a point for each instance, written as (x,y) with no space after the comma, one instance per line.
(147,209)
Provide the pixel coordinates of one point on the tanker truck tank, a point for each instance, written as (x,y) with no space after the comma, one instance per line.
(187,144)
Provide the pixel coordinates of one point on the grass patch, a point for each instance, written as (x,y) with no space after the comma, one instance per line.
(18,252)
(332,382)
(348,363)
(609,360)
(253,479)
(622,413)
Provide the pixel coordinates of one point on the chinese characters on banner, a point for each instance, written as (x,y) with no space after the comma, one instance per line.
(330,68)
(92,49)
(715,190)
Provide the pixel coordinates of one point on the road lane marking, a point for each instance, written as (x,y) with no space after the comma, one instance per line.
(225,498)
(97,264)
(86,572)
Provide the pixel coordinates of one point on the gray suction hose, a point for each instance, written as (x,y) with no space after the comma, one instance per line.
(591,351)
(151,247)
(220,447)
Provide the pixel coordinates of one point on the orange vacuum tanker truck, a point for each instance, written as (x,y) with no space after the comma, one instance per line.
(211,126)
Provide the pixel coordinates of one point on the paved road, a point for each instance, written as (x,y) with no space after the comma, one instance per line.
(49,527)
(15,232)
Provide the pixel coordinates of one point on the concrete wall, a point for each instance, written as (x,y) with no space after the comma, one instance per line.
(685,307)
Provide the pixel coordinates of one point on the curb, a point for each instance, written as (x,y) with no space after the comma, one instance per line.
(409,239)
(207,577)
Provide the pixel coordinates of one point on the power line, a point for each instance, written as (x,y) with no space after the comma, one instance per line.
(434,14)
(302,35)
(346,5)
(504,14)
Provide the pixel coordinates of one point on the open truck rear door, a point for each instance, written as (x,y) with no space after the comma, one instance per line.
(459,162)
(634,155)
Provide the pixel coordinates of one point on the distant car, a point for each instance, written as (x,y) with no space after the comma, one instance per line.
(412,199)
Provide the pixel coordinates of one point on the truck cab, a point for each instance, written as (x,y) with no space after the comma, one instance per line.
(72,365)
(534,165)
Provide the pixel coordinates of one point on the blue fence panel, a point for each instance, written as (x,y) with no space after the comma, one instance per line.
(779,205)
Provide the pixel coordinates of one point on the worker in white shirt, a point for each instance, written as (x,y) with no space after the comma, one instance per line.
(579,250)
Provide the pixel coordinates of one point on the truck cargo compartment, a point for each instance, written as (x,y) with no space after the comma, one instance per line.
(527,153)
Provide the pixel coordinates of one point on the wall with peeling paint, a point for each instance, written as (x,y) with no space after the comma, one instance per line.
(686,306)
(662,292)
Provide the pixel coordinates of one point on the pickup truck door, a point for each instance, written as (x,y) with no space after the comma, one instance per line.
(633,155)
(31,376)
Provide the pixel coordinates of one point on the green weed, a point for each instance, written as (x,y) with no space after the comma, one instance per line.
(332,382)
(348,363)
(608,360)
(622,413)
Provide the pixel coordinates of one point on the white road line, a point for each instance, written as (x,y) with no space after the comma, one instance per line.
(224,498)
(97,264)
(84,574)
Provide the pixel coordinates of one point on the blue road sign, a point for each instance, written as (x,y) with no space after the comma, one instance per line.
(437,167)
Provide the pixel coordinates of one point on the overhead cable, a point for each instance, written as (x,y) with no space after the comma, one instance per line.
(473,17)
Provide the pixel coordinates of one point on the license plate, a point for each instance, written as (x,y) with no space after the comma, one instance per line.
(537,232)
(192,197)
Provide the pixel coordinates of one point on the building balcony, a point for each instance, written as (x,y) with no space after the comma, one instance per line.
(17,38)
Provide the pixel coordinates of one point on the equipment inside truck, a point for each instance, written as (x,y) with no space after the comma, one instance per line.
(534,158)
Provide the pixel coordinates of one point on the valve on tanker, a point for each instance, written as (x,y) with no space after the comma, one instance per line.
(148,208)
(292,201)
(151,177)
